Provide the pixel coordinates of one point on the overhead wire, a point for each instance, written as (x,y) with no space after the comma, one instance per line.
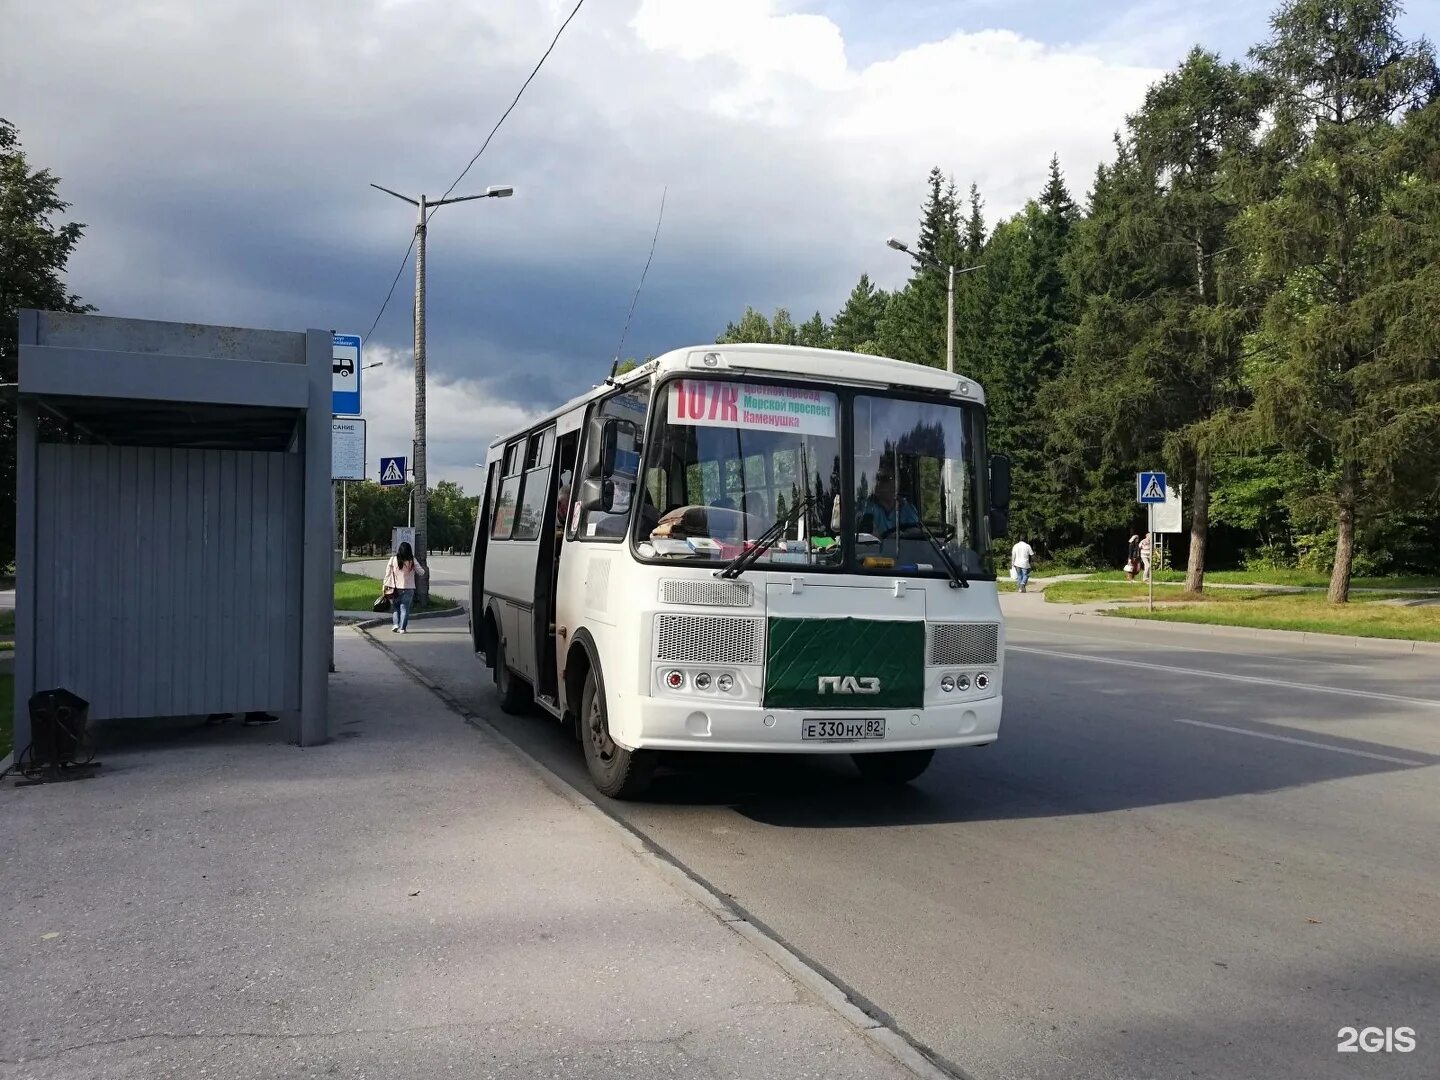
(518,94)
(653,240)
(503,116)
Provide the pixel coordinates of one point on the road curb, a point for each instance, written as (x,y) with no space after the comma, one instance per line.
(1401,646)
(871,1022)
(369,620)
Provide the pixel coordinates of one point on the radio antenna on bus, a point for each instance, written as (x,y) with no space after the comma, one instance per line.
(628,315)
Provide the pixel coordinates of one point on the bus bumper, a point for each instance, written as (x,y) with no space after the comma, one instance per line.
(658,724)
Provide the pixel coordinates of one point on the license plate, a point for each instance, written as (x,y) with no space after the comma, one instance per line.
(842,730)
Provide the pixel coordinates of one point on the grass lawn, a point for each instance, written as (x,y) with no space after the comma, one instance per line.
(1091,591)
(7,713)
(355,592)
(1297,578)
(1304,611)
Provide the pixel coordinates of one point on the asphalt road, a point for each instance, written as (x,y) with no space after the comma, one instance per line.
(1188,856)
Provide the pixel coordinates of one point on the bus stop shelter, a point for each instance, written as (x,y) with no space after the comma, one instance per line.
(173,520)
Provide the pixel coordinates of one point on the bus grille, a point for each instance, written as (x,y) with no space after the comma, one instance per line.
(708,639)
(964,644)
(706,593)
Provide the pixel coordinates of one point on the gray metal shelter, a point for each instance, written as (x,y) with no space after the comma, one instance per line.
(173,519)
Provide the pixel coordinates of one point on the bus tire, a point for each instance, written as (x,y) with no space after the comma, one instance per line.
(617,772)
(894,767)
(514,691)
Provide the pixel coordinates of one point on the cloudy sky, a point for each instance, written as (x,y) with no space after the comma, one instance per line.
(219,153)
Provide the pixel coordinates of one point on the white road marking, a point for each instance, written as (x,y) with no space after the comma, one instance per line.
(1341,691)
(1299,742)
(1091,639)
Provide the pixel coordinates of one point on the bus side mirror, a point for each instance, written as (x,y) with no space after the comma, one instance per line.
(597,495)
(1000,482)
(999,495)
(604,435)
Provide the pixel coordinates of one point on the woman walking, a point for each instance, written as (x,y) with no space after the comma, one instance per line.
(400,586)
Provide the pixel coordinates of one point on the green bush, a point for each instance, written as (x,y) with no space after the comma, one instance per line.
(1268,557)
(1072,558)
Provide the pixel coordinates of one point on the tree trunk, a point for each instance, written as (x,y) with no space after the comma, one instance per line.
(1199,524)
(1345,537)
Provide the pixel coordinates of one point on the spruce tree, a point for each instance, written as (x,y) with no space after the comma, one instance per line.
(1331,382)
(856,324)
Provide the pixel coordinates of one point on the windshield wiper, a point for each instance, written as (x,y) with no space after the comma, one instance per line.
(742,562)
(957,580)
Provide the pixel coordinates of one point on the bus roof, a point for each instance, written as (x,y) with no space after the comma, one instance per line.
(795,361)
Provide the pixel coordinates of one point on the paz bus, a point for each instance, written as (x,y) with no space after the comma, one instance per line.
(754,548)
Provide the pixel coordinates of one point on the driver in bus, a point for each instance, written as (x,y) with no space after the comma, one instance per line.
(884,513)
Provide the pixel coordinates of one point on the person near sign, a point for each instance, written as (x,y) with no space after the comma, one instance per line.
(1144,549)
(1132,557)
(400,586)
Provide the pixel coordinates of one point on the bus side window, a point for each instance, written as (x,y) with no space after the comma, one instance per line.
(504,522)
(536,490)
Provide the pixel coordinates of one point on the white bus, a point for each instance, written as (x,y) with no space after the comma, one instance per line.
(749,548)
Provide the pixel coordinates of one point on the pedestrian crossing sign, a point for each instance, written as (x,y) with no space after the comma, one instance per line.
(392,471)
(1150,488)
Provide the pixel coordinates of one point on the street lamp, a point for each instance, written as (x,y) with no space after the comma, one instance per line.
(425,208)
(951,270)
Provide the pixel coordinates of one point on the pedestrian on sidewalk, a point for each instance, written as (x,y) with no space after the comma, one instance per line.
(1132,557)
(1021,556)
(400,585)
(1144,549)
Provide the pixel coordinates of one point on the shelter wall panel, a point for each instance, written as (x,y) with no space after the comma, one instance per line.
(168,581)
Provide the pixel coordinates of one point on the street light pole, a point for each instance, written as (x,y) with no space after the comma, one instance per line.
(950,322)
(420,498)
(417,451)
(951,271)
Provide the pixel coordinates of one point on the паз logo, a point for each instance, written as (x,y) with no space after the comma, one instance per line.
(849,684)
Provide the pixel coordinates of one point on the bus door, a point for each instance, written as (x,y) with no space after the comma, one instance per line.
(547,564)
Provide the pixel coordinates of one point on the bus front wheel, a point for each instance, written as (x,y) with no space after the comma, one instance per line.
(894,767)
(617,772)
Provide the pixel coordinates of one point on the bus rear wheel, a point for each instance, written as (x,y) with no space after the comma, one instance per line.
(617,772)
(514,691)
(894,767)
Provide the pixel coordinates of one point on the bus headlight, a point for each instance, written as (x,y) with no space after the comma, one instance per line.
(702,681)
(947,683)
(725,683)
(962,682)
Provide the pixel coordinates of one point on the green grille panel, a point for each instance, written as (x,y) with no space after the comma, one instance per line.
(800,652)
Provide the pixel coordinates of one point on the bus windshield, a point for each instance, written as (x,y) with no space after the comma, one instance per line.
(730,462)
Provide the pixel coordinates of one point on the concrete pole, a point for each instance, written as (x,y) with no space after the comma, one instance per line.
(422,582)
(950,324)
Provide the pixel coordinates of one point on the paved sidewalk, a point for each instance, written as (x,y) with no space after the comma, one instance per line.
(409,901)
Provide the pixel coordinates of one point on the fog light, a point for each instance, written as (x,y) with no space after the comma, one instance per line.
(674,679)
(947,684)
(982,681)
(725,683)
(962,682)
(702,681)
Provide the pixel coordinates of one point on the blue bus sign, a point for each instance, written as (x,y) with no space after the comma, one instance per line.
(345,374)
